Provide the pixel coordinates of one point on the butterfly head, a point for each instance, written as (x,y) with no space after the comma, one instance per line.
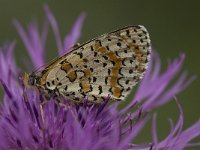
(30,79)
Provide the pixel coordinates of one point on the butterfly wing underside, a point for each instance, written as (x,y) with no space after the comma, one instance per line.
(109,65)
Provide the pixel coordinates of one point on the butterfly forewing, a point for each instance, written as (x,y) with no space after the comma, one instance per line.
(109,65)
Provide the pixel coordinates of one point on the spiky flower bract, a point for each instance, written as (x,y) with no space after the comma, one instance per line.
(26,124)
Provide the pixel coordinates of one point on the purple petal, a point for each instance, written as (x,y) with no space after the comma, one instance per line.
(54,26)
(44,32)
(7,64)
(73,36)
(148,90)
(32,42)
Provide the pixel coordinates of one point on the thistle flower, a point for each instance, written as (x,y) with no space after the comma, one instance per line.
(25,124)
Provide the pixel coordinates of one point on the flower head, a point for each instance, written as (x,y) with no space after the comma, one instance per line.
(27,124)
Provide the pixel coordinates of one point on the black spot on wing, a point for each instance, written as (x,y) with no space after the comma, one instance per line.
(100,89)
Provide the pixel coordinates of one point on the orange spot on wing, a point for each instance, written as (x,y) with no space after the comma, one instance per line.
(117,92)
(118,62)
(141,69)
(99,48)
(102,50)
(140,59)
(138,52)
(72,76)
(66,67)
(87,73)
(97,45)
(111,55)
(86,87)
(115,71)
(113,81)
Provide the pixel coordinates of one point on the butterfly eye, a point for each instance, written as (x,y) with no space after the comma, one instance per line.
(32,79)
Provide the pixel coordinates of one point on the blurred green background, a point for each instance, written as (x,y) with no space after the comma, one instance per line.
(174,27)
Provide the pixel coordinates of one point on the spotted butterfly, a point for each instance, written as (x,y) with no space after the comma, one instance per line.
(109,65)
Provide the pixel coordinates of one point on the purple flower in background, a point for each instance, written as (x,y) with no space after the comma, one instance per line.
(25,124)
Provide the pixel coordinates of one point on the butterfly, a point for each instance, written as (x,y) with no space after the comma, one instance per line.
(109,65)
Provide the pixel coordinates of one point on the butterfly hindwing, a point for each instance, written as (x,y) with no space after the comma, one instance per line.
(110,64)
